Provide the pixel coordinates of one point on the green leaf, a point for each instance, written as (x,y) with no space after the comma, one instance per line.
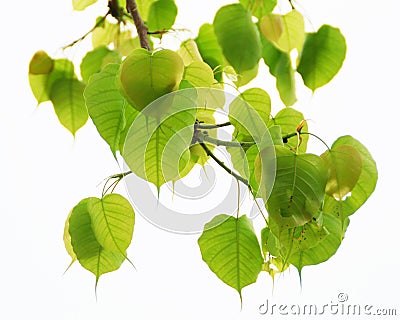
(259,8)
(41,63)
(162,14)
(289,119)
(90,254)
(41,84)
(322,56)
(130,115)
(245,77)
(189,52)
(106,106)
(113,220)
(238,37)
(124,43)
(286,32)
(364,187)
(146,76)
(231,250)
(144,7)
(95,60)
(280,66)
(80,5)
(210,50)
(299,188)
(199,74)
(325,249)
(249,113)
(69,104)
(163,144)
(104,35)
(345,164)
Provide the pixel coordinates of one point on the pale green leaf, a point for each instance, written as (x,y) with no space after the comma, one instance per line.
(80,5)
(95,60)
(90,254)
(243,78)
(106,106)
(238,37)
(162,14)
(364,187)
(322,56)
(67,240)
(189,52)
(345,164)
(104,35)
(199,74)
(231,250)
(299,188)
(41,84)
(285,31)
(69,104)
(144,7)
(113,220)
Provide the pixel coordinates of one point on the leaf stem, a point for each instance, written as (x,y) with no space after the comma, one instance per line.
(141,27)
(213,126)
(315,136)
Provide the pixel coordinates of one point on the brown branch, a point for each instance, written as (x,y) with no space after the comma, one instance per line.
(141,28)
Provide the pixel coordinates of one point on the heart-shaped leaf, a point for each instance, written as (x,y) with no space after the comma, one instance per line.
(146,76)
(231,250)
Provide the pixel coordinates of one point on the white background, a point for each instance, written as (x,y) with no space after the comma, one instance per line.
(44,172)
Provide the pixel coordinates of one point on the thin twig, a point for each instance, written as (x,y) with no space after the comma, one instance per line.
(141,28)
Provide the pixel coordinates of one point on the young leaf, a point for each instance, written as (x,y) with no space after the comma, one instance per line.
(104,35)
(113,220)
(286,32)
(289,119)
(322,56)
(259,8)
(280,66)
(189,52)
(299,187)
(345,164)
(210,50)
(90,254)
(41,63)
(199,74)
(67,240)
(95,60)
(144,7)
(364,187)
(162,14)
(41,84)
(249,113)
(146,76)
(69,104)
(231,250)
(238,37)
(80,5)
(106,106)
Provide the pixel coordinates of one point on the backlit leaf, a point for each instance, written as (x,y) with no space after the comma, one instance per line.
(81,5)
(41,63)
(90,254)
(106,106)
(322,56)
(238,37)
(345,165)
(113,220)
(299,187)
(189,52)
(104,35)
(96,60)
(162,14)
(259,8)
(231,250)
(69,104)
(41,84)
(364,187)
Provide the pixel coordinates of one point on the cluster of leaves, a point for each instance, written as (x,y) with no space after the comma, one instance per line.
(310,197)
